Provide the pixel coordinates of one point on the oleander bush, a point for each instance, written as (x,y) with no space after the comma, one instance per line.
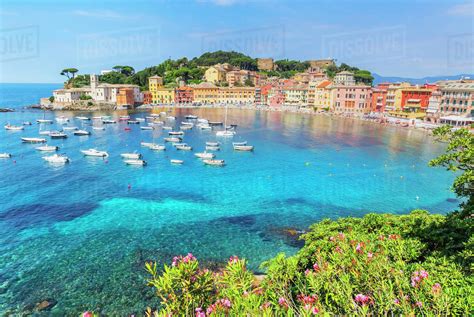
(378,264)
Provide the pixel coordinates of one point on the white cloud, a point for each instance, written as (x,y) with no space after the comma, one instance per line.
(105,14)
(464,9)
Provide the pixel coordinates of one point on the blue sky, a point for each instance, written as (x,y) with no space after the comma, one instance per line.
(391,38)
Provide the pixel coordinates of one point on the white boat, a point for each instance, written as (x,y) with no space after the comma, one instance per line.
(33,140)
(172,139)
(245,148)
(135,162)
(225,133)
(192,117)
(212,123)
(83,118)
(210,143)
(97,118)
(98,128)
(183,147)
(146,128)
(214,162)
(26,123)
(204,127)
(57,135)
(239,143)
(146,144)
(212,148)
(187,123)
(108,121)
(157,147)
(154,115)
(57,159)
(5,155)
(162,113)
(47,121)
(82,132)
(45,132)
(178,162)
(205,155)
(124,118)
(94,152)
(167,128)
(170,118)
(62,119)
(47,148)
(133,122)
(140,119)
(176,133)
(149,118)
(70,128)
(185,127)
(131,156)
(13,127)
(205,121)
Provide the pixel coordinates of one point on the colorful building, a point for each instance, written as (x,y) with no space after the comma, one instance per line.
(237,95)
(206,93)
(125,97)
(415,98)
(457,103)
(379,98)
(217,73)
(163,96)
(323,95)
(344,78)
(351,99)
(296,95)
(147,97)
(183,94)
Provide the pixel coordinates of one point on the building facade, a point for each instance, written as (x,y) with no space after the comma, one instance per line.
(323,95)
(184,95)
(352,100)
(457,103)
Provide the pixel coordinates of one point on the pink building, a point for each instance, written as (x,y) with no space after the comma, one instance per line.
(351,99)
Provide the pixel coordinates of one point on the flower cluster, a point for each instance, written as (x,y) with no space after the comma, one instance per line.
(282,302)
(222,303)
(186,259)
(309,302)
(418,277)
(233,260)
(200,312)
(436,288)
(362,299)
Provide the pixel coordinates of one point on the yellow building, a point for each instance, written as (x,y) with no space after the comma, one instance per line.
(163,95)
(323,95)
(237,95)
(206,93)
(394,96)
(215,74)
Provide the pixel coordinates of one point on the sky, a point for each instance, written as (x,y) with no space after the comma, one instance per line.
(408,38)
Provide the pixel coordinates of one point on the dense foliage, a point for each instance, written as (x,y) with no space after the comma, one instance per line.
(380,264)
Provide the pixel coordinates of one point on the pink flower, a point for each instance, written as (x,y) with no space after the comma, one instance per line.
(307,272)
(423,274)
(282,302)
(338,249)
(316,267)
(341,235)
(358,248)
(233,259)
(265,305)
(331,239)
(307,306)
(246,294)
(225,303)
(419,304)
(361,299)
(200,312)
(370,255)
(436,288)
(396,301)
(175,261)
(87,314)
(315,310)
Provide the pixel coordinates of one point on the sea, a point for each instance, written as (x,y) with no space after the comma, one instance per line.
(78,235)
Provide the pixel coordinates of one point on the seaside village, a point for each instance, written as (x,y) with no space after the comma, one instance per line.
(428,105)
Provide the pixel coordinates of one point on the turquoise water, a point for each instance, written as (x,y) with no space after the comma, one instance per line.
(79,235)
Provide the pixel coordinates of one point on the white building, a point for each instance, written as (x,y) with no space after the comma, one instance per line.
(344,78)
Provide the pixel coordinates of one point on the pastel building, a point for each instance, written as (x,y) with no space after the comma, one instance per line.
(237,95)
(457,103)
(351,99)
(184,95)
(323,95)
(206,93)
(296,95)
(379,97)
(345,78)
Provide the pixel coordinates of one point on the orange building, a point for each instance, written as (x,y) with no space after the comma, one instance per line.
(147,97)
(416,98)
(379,97)
(183,95)
(125,97)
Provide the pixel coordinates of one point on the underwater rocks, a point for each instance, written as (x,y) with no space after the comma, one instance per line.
(289,235)
(46,304)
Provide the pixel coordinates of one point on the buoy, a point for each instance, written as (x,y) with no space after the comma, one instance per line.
(417,198)
(401,176)
(307,163)
(129,186)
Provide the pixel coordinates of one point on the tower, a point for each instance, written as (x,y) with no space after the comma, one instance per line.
(94,81)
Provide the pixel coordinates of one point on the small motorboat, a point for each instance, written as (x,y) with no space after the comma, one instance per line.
(146,128)
(154,115)
(157,147)
(210,143)
(47,148)
(167,128)
(14,127)
(26,123)
(83,118)
(135,162)
(170,118)
(57,159)
(214,162)
(124,118)
(94,152)
(187,123)
(108,121)
(177,162)
(173,139)
(97,118)
(204,127)
(98,128)
(212,148)
(176,133)
(45,132)
(70,128)
(191,117)
(239,143)
(183,147)
(163,113)
(205,155)
(155,123)
(149,118)
(46,121)
(5,155)
(133,122)
(212,123)
(131,156)
(185,127)
(33,140)
(146,144)
(82,132)
(57,135)
(205,121)
(225,133)
(245,148)
(62,120)
(140,119)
